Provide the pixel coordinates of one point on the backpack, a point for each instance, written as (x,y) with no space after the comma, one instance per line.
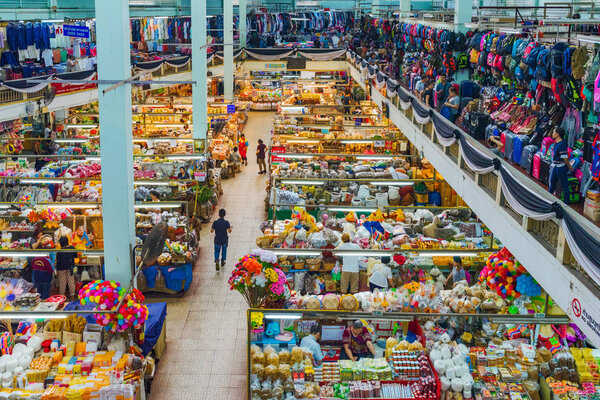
(567,60)
(578,61)
(475,41)
(530,54)
(473,56)
(592,71)
(482,61)
(462,61)
(573,93)
(506,47)
(557,59)
(542,71)
(520,50)
(460,43)
(449,64)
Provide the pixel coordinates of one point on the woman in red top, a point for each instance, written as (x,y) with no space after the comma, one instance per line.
(243,148)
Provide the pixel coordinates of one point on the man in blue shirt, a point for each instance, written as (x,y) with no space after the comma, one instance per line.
(221,228)
(560,164)
(311,344)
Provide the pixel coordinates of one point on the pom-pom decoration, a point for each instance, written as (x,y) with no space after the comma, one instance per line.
(507,277)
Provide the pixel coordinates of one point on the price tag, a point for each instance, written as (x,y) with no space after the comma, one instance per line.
(377,313)
(539,315)
(379,143)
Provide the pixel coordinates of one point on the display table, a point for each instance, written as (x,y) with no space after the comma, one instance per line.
(166,279)
(155,332)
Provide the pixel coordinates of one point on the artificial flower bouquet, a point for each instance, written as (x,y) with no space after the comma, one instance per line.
(259,279)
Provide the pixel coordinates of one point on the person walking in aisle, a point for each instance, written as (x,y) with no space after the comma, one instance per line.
(458,272)
(260,157)
(243,149)
(381,276)
(221,228)
(560,164)
(349,266)
(65,262)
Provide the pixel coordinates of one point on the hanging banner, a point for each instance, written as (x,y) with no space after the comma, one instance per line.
(76,31)
(277,150)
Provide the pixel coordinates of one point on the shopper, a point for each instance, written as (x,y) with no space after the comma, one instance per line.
(183,174)
(243,148)
(560,164)
(357,343)
(260,157)
(458,272)
(441,91)
(369,150)
(452,103)
(420,87)
(311,343)
(428,94)
(41,268)
(381,276)
(221,228)
(496,145)
(154,196)
(349,266)
(71,63)
(65,263)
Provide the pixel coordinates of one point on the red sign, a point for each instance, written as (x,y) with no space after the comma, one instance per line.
(62,88)
(576,306)
(326,9)
(277,150)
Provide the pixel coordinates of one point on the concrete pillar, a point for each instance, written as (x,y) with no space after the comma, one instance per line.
(462,14)
(116,142)
(375,10)
(404,8)
(243,28)
(228,48)
(199,90)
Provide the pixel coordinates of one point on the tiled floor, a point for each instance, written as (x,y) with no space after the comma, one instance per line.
(206,328)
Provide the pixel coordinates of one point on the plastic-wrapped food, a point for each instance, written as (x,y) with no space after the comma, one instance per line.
(272,359)
(254,349)
(284,357)
(258,357)
(545,353)
(284,371)
(533,371)
(271,372)
(545,369)
(288,386)
(258,370)
(297,355)
(533,389)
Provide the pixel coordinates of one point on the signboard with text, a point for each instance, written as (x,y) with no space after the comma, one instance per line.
(277,150)
(76,31)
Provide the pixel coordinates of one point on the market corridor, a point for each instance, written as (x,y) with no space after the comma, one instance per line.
(206,328)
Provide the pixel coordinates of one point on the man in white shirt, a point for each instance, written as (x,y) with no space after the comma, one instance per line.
(381,276)
(335,40)
(349,266)
(311,344)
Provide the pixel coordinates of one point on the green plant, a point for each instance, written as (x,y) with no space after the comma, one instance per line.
(204,194)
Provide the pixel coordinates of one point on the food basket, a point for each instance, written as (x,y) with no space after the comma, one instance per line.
(313,264)
(298,264)
(328,265)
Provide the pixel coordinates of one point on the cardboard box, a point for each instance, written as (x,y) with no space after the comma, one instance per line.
(68,337)
(591,209)
(51,335)
(93,333)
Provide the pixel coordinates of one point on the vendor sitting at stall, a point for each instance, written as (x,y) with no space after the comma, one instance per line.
(357,343)
(311,343)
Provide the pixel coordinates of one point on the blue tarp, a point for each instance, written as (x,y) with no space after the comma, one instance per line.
(157,312)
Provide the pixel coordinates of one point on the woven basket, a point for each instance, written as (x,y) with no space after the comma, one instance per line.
(331,302)
(349,303)
(264,241)
(298,264)
(313,264)
(328,265)
(313,303)
(285,267)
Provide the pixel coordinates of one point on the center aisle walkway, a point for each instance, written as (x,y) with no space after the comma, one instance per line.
(206,328)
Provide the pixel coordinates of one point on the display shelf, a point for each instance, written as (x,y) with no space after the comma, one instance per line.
(442,252)
(373,157)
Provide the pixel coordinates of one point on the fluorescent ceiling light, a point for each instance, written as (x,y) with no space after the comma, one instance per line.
(352,209)
(41,180)
(297,181)
(588,39)
(185,157)
(33,315)
(355,141)
(399,183)
(16,253)
(374,157)
(151,183)
(89,126)
(292,252)
(4,206)
(164,140)
(283,316)
(75,140)
(93,158)
(298,156)
(157,205)
(302,141)
(442,254)
(359,253)
(58,205)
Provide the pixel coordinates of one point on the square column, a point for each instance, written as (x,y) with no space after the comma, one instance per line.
(243,29)
(116,142)
(228,48)
(199,90)
(463,10)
